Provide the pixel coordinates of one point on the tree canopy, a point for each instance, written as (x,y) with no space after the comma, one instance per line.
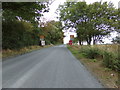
(23,10)
(52,30)
(93,21)
(20,25)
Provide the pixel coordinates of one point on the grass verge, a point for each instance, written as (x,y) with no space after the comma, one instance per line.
(9,53)
(106,76)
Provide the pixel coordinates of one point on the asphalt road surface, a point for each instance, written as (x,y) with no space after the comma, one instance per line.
(53,67)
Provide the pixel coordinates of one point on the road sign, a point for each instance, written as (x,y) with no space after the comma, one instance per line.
(71,36)
(42,37)
(42,43)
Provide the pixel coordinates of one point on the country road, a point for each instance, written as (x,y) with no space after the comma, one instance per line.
(53,67)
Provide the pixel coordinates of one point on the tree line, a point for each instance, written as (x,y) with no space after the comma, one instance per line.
(20,25)
(92,21)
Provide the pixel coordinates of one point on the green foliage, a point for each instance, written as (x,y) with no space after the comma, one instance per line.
(111,61)
(116,40)
(94,60)
(93,21)
(20,23)
(108,69)
(18,34)
(90,52)
(53,32)
(75,40)
(23,10)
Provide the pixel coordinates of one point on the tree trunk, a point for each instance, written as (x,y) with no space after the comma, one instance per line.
(94,40)
(89,41)
(80,42)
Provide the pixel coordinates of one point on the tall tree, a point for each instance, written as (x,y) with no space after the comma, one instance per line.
(20,23)
(52,31)
(93,21)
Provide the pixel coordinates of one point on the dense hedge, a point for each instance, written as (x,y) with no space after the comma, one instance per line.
(18,34)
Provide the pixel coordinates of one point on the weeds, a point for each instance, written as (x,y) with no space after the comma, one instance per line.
(90,52)
(94,60)
(102,60)
(9,52)
(110,60)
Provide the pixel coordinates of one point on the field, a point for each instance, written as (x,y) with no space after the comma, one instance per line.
(110,47)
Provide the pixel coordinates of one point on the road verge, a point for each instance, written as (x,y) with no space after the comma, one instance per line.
(106,76)
(12,53)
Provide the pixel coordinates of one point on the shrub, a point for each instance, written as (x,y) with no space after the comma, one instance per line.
(111,60)
(90,52)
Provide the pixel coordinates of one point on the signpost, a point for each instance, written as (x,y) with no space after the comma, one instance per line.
(42,41)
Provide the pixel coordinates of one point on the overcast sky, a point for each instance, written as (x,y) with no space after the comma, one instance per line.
(51,15)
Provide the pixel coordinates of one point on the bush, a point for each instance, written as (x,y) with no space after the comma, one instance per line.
(90,52)
(111,61)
